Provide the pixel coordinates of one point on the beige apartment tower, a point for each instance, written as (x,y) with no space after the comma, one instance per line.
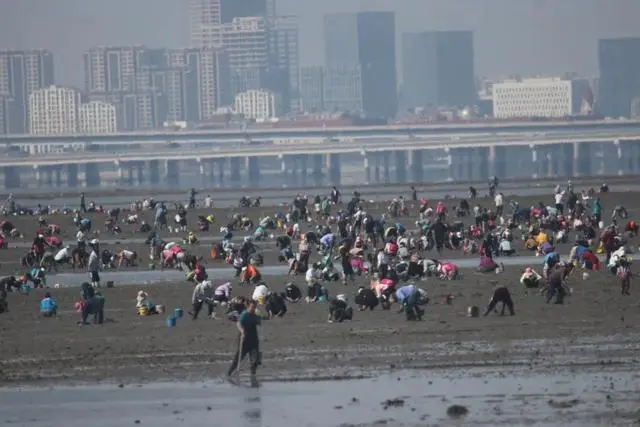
(53,111)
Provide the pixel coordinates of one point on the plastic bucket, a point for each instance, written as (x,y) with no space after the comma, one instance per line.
(178,313)
(25,289)
(171,322)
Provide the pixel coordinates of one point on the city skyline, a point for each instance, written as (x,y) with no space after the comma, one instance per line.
(544,37)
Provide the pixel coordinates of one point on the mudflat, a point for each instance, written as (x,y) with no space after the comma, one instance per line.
(303,345)
(595,325)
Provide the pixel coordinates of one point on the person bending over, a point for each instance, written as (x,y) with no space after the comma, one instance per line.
(276,305)
(366,299)
(339,309)
(500,295)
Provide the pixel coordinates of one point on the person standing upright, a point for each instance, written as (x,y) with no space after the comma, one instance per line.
(248,342)
(83,204)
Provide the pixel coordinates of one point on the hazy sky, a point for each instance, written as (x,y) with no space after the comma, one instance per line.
(511,36)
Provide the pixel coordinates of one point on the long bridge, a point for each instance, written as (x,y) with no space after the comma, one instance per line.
(457,157)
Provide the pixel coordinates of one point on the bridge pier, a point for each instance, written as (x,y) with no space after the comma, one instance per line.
(221,163)
(253,165)
(366,165)
(317,169)
(401,166)
(377,163)
(459,161)
(172,176)
(302,161)
(72,175)
(335,172)
(235,169)
(416,163)
(57,170)
(139,168)
(386,167)
(11,177)
(582,159)
(498,162)
(92,175)
(154,172)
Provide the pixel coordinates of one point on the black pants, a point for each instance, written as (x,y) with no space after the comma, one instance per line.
(197,306)
(95,306)
(560,208)
(253,350)
(501,295)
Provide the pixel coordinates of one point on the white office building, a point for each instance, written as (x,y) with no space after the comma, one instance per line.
(259,104)
(541,97)
(97,117)
(53,110)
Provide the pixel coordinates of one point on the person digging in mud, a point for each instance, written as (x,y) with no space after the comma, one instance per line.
(248,341)
(502,295)
(292,293)
(202,294)
(339,309)
(366,299)
(557,276)
(275,305)
(409,297)
(7,284)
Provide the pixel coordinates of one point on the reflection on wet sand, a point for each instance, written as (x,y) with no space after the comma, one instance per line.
(585,397)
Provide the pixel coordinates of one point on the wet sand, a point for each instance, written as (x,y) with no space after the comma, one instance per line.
(509,397)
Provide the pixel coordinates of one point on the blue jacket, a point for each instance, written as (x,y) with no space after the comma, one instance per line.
(48,305)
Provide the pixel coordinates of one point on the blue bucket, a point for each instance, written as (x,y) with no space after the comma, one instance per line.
(171,322)
(25,289)
(178,313)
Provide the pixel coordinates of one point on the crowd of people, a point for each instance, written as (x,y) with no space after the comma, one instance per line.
(326,239)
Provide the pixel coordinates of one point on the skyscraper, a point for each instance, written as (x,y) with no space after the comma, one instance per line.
(619,61)
(438,69)
(312,89)
(262,48)
(21,73)
(366,39)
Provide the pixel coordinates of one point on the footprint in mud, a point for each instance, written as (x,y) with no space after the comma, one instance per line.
(457,411)
(565,404)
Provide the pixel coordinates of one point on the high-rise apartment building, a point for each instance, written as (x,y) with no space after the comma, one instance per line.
(204,23)
(312,89)
(438,69)
(366,39)
(97,117)
(619,83)
(257,104)
(53,111)
(111,68)
(21,73)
